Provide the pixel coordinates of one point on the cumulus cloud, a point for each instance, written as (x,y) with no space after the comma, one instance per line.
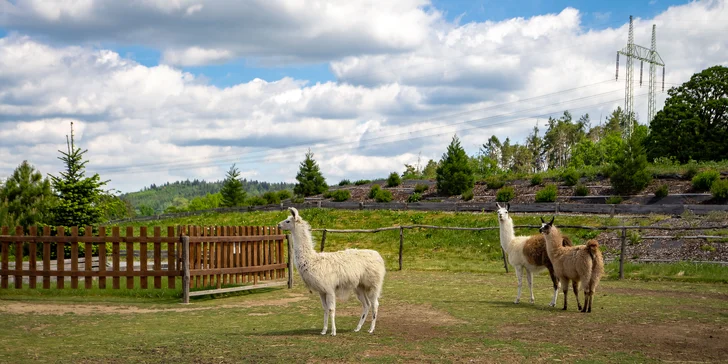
(399,95)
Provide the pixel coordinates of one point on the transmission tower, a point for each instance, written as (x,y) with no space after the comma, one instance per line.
(633,51)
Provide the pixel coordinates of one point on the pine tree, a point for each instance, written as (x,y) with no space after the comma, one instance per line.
(78,196)
(26,198)
(629,171)
(454,175)
(310,180)
(232,189)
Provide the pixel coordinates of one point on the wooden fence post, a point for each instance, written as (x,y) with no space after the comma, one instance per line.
(621,254)
(505,264)
(186,269)
(401,245)
(323,240)
(290,262)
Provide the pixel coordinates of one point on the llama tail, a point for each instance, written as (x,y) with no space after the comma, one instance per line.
(593,247)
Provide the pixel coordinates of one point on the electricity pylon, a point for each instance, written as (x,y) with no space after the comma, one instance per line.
(633,51)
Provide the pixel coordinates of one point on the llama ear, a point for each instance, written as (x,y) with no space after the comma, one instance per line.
(498,206)
(552,220)
(294,212)
(543,222)
(508,207)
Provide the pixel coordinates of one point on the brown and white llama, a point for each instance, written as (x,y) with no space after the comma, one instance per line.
(527,254)
(583,263)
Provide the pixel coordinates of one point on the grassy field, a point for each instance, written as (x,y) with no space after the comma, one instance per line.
(452,303)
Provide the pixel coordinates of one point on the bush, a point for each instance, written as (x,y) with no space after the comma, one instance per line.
(691,171)
(271,198)
(720,189)
(383,196)
(536,180)
(394,180)
(341,195)
(362,182)
(344,182)
(467,195)
(373,191)
(581,190)
(505,194)
(284,194)
(547,194)
(661,191)
(704,180)
(257,201)
(614,200)
(570,177)
(327,194)
(415,197)
(420,188)
(494,183)
(298,199)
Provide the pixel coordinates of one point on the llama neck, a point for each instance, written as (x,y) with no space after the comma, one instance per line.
(302,243)
(554,241)
(506,233)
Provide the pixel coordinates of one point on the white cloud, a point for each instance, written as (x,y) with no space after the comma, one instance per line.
(146,125)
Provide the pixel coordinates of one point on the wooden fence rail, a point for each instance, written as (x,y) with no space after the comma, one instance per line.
(623,236)
(217,256)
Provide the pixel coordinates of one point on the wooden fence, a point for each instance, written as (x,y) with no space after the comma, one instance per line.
(216,256)
(623,235)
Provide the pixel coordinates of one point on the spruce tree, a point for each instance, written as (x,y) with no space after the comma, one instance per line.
(629,171)
(78,196)
(310,180)
(26,198)
(232,189)
(454,175)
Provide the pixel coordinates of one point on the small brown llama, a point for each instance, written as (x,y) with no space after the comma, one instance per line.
(583,263)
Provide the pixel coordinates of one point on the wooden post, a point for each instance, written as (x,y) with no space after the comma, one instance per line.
(505,263)
(323,240)
(290,262)
(621,254)
(401,245)
(186,269)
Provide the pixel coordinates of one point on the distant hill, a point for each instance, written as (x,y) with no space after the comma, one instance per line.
(159,197)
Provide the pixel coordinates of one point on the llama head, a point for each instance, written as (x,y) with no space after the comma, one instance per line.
(503,211)
(546,226)
(290,222)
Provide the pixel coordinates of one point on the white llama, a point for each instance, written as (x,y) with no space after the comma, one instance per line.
(337,273)
(527,254)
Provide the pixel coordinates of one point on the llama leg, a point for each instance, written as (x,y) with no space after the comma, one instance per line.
(565,287)
(519,271)
(575,284)
(529,275)
(331,301)
(555,281)
(365,308)
(374,300)
(325,305)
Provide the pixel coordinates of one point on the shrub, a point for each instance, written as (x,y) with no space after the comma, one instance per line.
(536,180)
(691,171)
(547,194)
(383,196)
(415,197)
(581,190)
(704,180)
(570,177)
(373,191)
(327,194)
(494,183)
(271,198)
(394,180)
(257,201)
(661,191)
(467,195)
(362,182)
(505,194)
(341,195)
(344,182)
(720,189)
(614,200)
(297,199)
(284,194)
(420,188)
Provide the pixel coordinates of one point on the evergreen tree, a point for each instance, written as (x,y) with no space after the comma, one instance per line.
(232,191)
(310,180)
(454,175)
(78,196)
(629,172)
(26,198)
